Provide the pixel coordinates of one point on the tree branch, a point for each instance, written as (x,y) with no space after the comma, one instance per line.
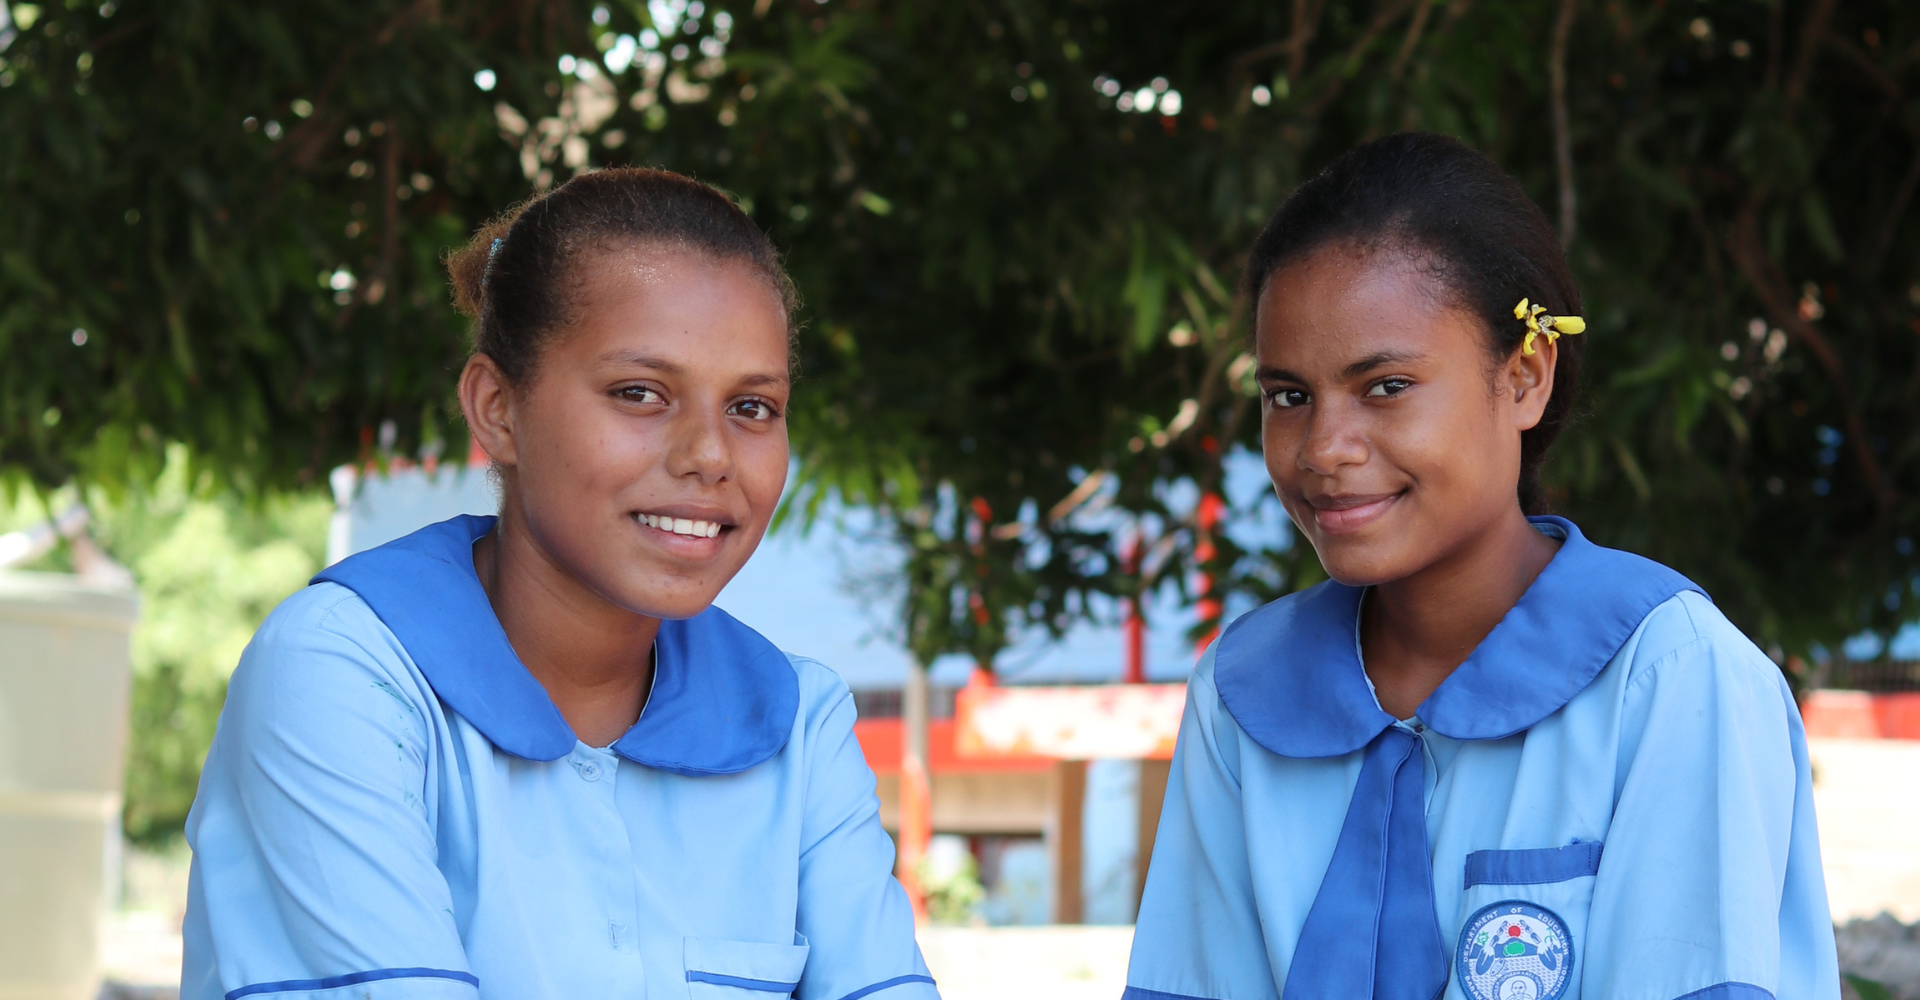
(1812,33)
(1865,64)
(372,290)
(307,141)
(1776,45)
(1902,196)
(1900,61)
(118,33)
(1716,273)
(1562,131)
(1748,251)
(1379,24)
(1306,23)
(376,289)
(1246,60)
(1414,31)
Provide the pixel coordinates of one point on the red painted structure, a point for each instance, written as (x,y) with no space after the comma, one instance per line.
(1861,715)
(883,741)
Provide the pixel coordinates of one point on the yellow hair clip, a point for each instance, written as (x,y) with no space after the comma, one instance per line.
(1539,321)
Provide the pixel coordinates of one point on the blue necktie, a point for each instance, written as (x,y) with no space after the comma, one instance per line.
(1372,931)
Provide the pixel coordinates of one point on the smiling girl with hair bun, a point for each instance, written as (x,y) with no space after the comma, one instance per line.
(1489,759)
(524,757)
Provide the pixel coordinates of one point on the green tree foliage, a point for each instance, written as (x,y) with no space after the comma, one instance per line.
(1016,277)
(209,571)
(223,225)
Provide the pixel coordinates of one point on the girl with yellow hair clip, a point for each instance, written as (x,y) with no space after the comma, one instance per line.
(1489,759)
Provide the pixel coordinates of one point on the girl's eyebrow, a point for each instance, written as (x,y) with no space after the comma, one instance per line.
(634,359)
(1380,359)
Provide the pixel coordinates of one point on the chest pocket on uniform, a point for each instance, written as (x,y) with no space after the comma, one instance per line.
(1524,922)
(743,970)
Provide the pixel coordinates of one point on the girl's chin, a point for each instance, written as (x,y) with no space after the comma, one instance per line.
(665,607)
(1357,563)
(665,591)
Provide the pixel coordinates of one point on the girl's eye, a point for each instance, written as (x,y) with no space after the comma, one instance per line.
(1285,399)
(1389,387)
(754,409)
(640,394)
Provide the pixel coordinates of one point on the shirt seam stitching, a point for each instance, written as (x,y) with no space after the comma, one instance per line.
(887,984)
(810,757)
(1213,743)
(1653,669)
(350,979)
(1706,991)
(1533,881)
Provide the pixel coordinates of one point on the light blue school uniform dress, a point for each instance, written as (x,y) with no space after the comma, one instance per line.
(1609,799)
(393,808)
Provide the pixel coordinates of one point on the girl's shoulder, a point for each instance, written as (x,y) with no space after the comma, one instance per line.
(826,701)
(322,672)
(1686,618)
(818,682)
(323,607)
(318,634)
(1687,638)
(321,627)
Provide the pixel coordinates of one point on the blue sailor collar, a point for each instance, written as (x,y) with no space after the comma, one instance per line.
(1290,672)
(724,698)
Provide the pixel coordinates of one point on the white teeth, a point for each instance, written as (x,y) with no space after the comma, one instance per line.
(681,525)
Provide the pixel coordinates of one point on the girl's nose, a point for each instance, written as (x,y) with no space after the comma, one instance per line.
(1333,440)
(701,448)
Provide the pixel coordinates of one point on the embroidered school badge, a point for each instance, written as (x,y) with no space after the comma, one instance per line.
(1514,950)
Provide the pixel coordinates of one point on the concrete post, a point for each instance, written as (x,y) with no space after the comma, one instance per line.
(64,683)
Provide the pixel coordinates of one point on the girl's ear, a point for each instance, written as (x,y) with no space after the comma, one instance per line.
(1529,379)
(486,398)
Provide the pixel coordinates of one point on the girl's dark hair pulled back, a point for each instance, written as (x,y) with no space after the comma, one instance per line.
(513,279)
(1462,219)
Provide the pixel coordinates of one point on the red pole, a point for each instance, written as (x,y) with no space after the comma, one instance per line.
(1205,520)
(1133,629)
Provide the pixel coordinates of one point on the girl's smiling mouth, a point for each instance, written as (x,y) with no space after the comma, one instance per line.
(1345,513)
(707,526)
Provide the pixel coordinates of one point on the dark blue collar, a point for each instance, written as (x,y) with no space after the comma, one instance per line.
(724,698)
(1290,672)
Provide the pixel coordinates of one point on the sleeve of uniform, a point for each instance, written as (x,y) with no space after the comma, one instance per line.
(1198,934)
(853,913)
(313,858)
(1710,885)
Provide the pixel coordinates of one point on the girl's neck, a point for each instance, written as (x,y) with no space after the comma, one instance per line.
(1416,630)
(592,657)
